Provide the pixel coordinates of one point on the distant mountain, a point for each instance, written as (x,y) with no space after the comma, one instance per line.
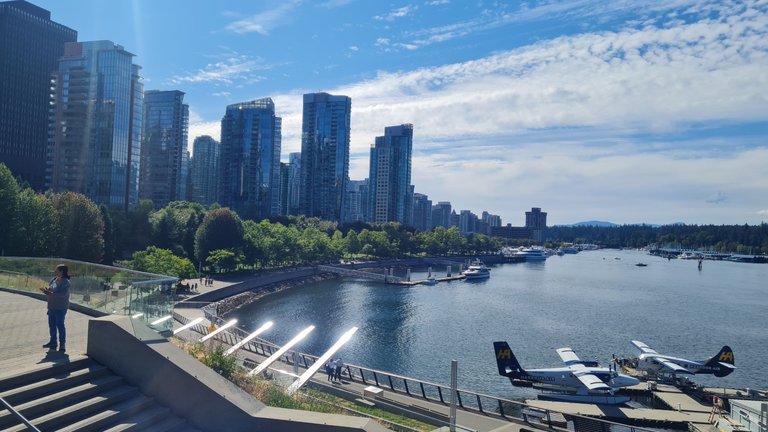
(595,224)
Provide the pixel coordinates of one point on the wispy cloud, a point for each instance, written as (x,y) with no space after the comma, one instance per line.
(264,22)
(331,4)
(763,212)
(569,110)
(234,67)
(438,2)
(397,13)
(717,198)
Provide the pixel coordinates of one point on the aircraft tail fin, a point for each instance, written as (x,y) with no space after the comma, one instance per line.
(506,360)
(724,360)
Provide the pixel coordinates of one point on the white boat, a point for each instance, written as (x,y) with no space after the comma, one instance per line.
(477,270)
(533,254)
(429,281)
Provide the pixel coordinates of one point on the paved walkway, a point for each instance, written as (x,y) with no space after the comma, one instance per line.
(24,329)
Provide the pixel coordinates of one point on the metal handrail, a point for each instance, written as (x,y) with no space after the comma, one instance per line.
(471,401)
(18,415)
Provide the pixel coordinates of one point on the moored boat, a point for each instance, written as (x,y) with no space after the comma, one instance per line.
(477,270)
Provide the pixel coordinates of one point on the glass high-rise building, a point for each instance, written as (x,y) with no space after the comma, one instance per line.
(30,47)
(249,162)
(294,183)
(204,171)
(96,123)
(441,214)
(422,212)
(391,193)
(164,147)
(324,155)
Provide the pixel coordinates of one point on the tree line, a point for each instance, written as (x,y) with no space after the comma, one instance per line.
(184,237)
(745,239)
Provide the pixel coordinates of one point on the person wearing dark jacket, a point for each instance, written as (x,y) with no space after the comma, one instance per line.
(58,304)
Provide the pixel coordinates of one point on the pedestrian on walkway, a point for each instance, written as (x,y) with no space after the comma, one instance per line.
(58,304)
(329,369)
(339,365)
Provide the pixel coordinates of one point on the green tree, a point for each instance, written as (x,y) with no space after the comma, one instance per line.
(81,225)
(39,227)
(9,211)
(109,236)
(221,229)
(164,262)
(224,260)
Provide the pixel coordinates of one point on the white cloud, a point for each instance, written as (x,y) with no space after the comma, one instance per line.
(566,112)
(235,67)
(397,13)
(763,212)
(266,21)
(438,2)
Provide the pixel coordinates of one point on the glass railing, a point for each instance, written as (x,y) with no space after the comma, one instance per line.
(106,289)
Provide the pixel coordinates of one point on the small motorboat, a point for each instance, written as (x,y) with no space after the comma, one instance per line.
(641,265)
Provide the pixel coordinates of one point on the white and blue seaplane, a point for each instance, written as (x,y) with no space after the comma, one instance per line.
(579,381)
(650,361)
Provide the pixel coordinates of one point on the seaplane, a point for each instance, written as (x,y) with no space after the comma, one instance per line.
(579,381)
(650,361)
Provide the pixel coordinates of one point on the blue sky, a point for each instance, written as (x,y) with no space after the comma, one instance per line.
(627,111)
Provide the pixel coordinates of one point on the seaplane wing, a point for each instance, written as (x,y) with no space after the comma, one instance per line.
(569,357)
(670,365)
(590,381)
(645,349)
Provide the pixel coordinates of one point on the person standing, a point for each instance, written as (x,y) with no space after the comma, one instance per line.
(329,369)
(339,365)
(58,304)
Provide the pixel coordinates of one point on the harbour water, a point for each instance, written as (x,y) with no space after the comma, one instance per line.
(594,302)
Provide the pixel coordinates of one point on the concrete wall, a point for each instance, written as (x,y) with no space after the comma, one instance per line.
(253,283)
(194,391)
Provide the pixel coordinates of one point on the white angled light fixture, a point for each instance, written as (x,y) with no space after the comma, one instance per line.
(186,326)
(320,362)
(274,357)
(161,320)
(250,337)
(218,330)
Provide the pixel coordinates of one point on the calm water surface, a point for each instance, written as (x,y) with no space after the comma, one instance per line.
(594,302)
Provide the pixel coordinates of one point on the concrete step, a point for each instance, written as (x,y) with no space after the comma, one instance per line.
(157,416)
(45,371)
(67,397)
(139,405)
(173,424)
(70,414)
(53,384)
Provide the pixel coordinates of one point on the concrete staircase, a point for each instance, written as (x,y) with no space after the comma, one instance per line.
(82,395)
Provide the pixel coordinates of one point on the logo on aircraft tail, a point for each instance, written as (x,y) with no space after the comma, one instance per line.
(504,354)
(726,356)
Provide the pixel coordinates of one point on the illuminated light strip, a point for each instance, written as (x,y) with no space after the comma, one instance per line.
(218,330)
(186,326)
(160,320)
(320,362)
(274,357)
(138,315)
(238,345)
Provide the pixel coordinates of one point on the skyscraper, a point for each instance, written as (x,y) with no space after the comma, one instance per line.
(355,201)
(536,221)
(441,214)
(30,46)
(390,175)
(422,212)
(294,183)
(324,155)
(249,163)
(164,147)
(204,171)
(96,123)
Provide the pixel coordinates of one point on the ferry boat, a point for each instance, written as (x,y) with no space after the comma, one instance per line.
(477,270)
(533,254)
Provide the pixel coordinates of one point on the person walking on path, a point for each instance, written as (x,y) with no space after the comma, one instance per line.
(58,304)
(339,365)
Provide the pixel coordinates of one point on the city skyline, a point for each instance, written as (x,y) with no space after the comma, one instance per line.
(621,111)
